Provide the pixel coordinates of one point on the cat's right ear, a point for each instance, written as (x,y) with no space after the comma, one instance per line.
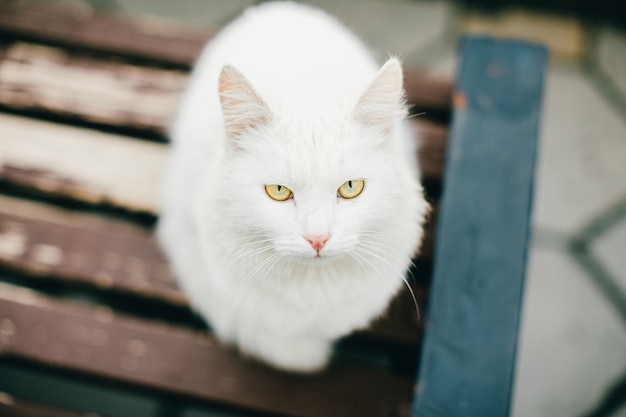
(242,107)
(382,104)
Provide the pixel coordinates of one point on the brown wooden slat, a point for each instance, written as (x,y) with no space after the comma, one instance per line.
(80,164)
(67,247)
(15,407)
(178,360)
(41,182)
(51,81)
(432,139)
(427,92)
(83,28)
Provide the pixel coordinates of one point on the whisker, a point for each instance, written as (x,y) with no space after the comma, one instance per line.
(378,242)
(411,116)
(251,275)
(243,254)
(271,267)
(401,275)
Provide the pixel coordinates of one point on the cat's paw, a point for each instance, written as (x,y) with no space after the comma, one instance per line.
(293,354)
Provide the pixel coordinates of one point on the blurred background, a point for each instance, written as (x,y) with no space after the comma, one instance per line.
(572,351)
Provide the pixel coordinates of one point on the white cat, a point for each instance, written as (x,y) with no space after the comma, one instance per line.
(291,204)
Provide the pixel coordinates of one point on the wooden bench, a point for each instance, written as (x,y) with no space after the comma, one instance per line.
(86,294)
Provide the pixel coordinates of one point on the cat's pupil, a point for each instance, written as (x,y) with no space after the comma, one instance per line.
(350,184)
(279,188)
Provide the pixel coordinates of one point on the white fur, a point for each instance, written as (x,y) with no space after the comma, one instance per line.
(240,256)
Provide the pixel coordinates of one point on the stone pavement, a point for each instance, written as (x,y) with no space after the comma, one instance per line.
(572,350)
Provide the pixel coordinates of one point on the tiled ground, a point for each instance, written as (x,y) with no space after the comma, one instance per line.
(582,167)
(572,347)
(573,341)
(609,249)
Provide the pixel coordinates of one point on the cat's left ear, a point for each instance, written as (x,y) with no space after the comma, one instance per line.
(382,103)
(243,108)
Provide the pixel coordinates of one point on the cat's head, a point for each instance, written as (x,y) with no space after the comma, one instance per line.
(319,186)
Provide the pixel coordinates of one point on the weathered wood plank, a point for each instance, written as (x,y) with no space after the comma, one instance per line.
(97,341)
(83,164)
(51,81)
(105,33)
(74,248)
(432,139)
(468,358)
(16,407)
(427,93)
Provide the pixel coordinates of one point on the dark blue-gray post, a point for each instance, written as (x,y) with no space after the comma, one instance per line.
(468,356)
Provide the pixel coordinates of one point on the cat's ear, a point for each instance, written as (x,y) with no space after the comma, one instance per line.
(382,103)
(243,108)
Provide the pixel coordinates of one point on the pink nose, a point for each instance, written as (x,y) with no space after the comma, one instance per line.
(318,242)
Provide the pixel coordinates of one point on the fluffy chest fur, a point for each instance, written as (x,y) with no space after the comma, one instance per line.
(291,206)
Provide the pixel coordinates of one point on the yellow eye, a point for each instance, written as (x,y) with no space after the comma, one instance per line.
(278,192)
(351,189)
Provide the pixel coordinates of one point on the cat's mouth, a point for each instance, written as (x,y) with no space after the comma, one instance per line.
(320,258)
(310,257)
